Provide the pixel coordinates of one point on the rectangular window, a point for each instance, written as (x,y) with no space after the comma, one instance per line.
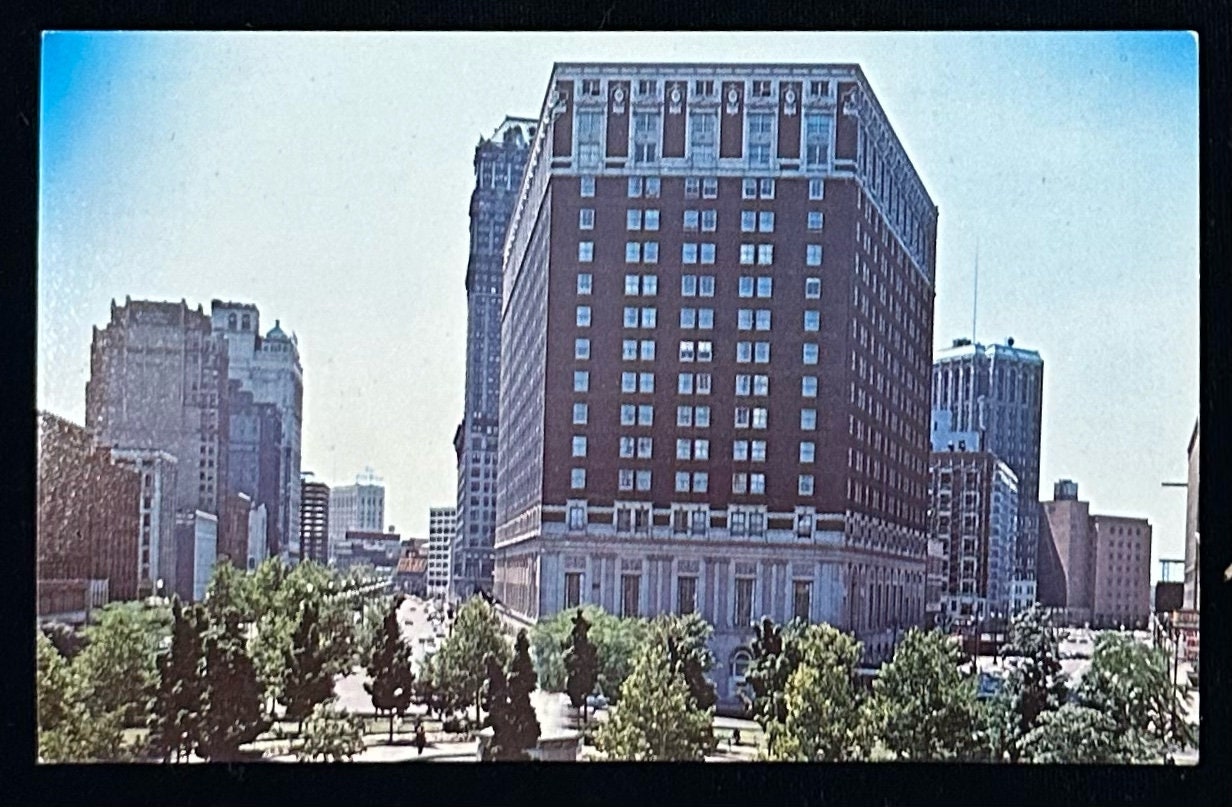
(629,349)
(765,254)
(740,484)
(648,317)
(743,613)
(648,350)
(765,286)
(632,285)
(577,478)
(583,316)
(761,385)
(581,348)
(628,382)
(630,317)
(744,352)
(688,318)
(650,252)
(635,187)
(651,219)
(645,415)
(804,485)
(812,288)
(808,419)
(628,414)
(761,352)
(688,253)
(815,220)
(645,447)
(807,451)
(630,594)
(643,480)
(586,186)
(586,251)
(742,417)
(701,481)
(633,252)
(811,353)
(745,286)
(802,599)
(652,184)
(579,445)
(650,285)
(757,450)
(812,320)
(688,285)
(765,221)
(624,479)
(628,447)
(744,384)
(645,382)
(581,381)
(813,255)
(747,253)
(586,218)
(584,283)
(748,221)
(705,318)
(766,188)
(757,483)
(633,219)
(682,481)
(740,450)
(580,413)
(684,416)
(701,417)
(762,322)
(705,286)
(686,595)
(687,350)
(748,189)
(808,386)
(701,449)
(573,589)
(684,451)
(710,188)
(691,220)
(691,186)
(710,221)
(707,253)
(816,189)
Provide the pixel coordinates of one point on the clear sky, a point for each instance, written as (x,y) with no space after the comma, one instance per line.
(326,178)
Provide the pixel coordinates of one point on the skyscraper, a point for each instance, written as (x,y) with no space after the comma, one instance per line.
(269,368)
(715,353)
(359,507)
(499,163)
(997,392)
(314,521)
(1192,531)
(255,461)
(442,525)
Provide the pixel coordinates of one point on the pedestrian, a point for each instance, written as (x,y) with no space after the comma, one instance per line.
(735,736)
(420,738)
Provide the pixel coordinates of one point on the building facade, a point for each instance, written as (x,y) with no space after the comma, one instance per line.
(359,507)
(442,525)
(158,486)
(996,391)
(374,548)
(715,358)
(89,516)
(255,457)
(314,521)
(499,163)
(269,368)
(196,538)
(1192,600)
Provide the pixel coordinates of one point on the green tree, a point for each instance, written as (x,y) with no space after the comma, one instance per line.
(330,735)
(825,720)
(1076,734)
(70,727)
(776,655)
(656,718)
(615,638)
(179,699)
(268,647)
(229,588)
(393,679)
(1035,682)
(118,667)
(232,714)
(581,664)
(687,638)
(308,683)
(515,729)
(477,633)
(925,708)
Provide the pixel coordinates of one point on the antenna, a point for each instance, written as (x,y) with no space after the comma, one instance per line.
(975,294)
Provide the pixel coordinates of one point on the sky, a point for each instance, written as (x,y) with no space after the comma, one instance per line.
(326,178)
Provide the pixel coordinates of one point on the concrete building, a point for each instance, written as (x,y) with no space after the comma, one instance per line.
(374,548)
(442,524)
(499,163)
(974,517)
(254,450)
(196,538)
(997,392)
(234,530)
(1193,599)
(258,536)
(158,382)
(715,354)
(269,368)
(158,486)
(314,521)
(89,516)
(1103,573)
(359,507)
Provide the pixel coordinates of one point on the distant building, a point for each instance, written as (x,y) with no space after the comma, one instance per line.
(411,575)
(1193,599)
(1103,570)
(255,457)
(359,507)
(89,516)
(442,523)
(258,536)
(314,522)
(196,538)
(374,548)
(269,368)
(158,486)
(499,163)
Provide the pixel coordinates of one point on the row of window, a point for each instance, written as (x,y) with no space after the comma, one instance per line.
(747,286)
(691,416)
(703,253)
(631,479)
(693,449)
(702,88)
(747,319)
(703,187)
(707,220)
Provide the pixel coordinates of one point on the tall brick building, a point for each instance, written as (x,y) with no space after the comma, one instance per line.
(716,347)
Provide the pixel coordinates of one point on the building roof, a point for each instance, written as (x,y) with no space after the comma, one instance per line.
(963,348)
(412,564)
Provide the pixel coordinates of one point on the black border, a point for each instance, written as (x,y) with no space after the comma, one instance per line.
(886,783)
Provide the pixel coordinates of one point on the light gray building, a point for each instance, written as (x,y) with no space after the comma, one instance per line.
(442,525)
(157,469)
(997,392)
(269,367)
(359,508)
(196,537)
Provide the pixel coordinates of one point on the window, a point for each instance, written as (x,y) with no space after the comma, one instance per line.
(707,253)
(804,485)
(652,185)
(688,285)
(740,450)
(584,283)
(757,483)
(635,187)
(684,416)
(761,385)
(742,417)
(807,451)
(701,417)
(761,352)
(587,188)
(630,594)
(811,353)
(765,188)
(580,413)
(710,188)
(812,320)
(705,285)
(802,599)
(684,451)
(710,220)
(762,322)
(691,219)
(686,595)
(586,251)
(688,253)
(804,524)
(688,318)
(744,385)
(757,450)
(647,87)
(586,218)
(701,449)
(632,285)
(650,252)
(645,415)
(645,447)
(573,589)
(643,480)
(808,386)
(583,316)
(682,480)
(812,288)
(628,414)
(651,219)
(633,219)
(812,255)
(747,254)
(628,447)
(581,381)
(745,287)
(577,478)
(765,221)
(817,189)
(633,252)
(691,186)
(743,615)
(703,88)
(705,318)
(624,479)
(579,445)
(645,382)
(748,189)
(748,221)
(744,352)
(815,220)
(702,130)
(705,350)
(687,350)
(761,89)
(819,89)
(581,348)
(740,484)
(816,139)
(628,382)
(629,350)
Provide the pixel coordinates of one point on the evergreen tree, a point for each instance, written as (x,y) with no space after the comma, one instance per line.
(581,664)
(1035,682)
(393,680)
(477,633)
(521,724)
(656,718)
(232,715)
(179,699)
(925,708)
(308,683)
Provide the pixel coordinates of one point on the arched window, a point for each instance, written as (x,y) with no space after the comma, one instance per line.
(231,322)
(740,662)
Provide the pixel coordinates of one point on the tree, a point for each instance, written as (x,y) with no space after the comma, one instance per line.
(477,633)
(308,683)
(775,657)
(229,588)
(178,701)
(232,714)
(393,679)
(824,719)
(581,664)
(1076,734)
(65,639)
(656,718)
(514,725)
(1035,682)
(119,667)
(70,727)
(331,736)
(688,648)
(925,708)
(615,639)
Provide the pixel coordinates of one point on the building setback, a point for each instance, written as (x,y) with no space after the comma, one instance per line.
(499,163)
(255,458)
(716,344)
(442,524)
(1192,600)
(359,507)
(314,522)
(996,391)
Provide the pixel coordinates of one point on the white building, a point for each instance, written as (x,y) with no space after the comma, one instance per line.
(356,508)
(258,546)
(442,523)
(156,560)
(196,537)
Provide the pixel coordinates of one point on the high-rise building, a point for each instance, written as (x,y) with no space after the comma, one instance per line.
(1193,536)
(997,392)
(1102,569)
(314,521)
(254,451)
(158,380)
(442,524)
(157,559)
(499,163)
(359,508)
(269,368)
(715,354)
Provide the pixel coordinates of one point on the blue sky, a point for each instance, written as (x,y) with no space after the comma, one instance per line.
(326,178)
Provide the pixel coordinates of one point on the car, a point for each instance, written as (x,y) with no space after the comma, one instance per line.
(596,701)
